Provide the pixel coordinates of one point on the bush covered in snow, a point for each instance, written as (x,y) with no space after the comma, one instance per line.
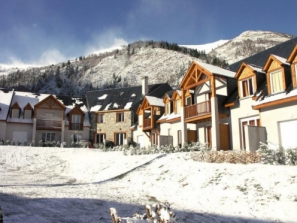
(277,155)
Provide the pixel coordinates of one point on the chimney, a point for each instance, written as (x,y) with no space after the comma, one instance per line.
(144,85)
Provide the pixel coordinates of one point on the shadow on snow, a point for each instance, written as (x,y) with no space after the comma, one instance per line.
(21,209)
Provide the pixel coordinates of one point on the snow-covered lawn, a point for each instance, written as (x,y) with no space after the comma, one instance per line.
(80,185)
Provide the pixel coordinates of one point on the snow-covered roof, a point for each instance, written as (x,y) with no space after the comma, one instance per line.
(5,99)
(258,69)
(128,105)
(281,59)
(102,97)
(276,97)
(155,101)
(168,117)
(216,70)
(95,108)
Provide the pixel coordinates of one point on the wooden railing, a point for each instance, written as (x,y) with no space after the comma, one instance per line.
(48,124)
(76,126)
(147,123)
(199,109)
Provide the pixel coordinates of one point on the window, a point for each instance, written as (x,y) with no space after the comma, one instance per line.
(100,118)
(15,113)
(119,138)
(276,81)
(76,122)
(76,119)
(100,138)
(188,100)
(247,87)
(177,106)
(48,137)
(120,117)
(27,114)
(167,108)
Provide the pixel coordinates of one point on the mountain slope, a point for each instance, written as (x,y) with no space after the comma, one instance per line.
(160,61)
(247,44)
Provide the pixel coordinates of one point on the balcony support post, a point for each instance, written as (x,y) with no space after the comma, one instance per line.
(34,130)
(215,130)
(184,132)
(63,131)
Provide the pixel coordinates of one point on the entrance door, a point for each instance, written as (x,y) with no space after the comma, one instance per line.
(224,137)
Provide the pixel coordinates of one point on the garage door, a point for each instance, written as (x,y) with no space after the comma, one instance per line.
(288,134)
(21,136)
(140,141)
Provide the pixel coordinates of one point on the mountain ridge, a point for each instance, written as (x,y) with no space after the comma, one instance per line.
(160,61)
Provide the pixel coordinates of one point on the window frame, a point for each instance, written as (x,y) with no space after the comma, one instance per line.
(167,108)
(120,117)
(14,114)
(272,91)
(100,118)
(26,113)
(250,88)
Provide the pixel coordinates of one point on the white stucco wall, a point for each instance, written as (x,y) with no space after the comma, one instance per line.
(174,128)
(139,132)
(272,115)
(11,127)
(237,113)
(3,130)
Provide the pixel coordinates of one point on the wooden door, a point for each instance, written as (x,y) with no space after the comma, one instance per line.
(224,137)
(208,136)
(192,136)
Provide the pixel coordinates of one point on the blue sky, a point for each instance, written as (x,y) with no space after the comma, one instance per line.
(51,31)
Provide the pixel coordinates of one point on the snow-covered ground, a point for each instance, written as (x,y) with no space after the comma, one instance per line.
(208,46)
(80,185)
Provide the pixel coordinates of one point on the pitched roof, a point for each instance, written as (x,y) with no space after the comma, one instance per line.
(122,98)
(5,102)
(154,101)
(216,70)
(282,50)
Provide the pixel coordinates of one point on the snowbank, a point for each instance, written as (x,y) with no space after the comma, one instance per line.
(80,185)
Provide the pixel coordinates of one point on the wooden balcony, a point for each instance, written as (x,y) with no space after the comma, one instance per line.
(44,124)
(197,110)
(147,124)
(75,126)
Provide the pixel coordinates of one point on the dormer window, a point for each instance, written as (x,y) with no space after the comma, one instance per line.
(15,110)
(177,106)
(247,87)
(27,114)
(188,100)
(15,113)
(167,108)
(276,81)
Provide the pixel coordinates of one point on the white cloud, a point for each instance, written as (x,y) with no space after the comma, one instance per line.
(52,56)
(107,41)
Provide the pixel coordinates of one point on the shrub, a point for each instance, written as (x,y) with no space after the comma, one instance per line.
(41,144)
(25,143)
(7,142)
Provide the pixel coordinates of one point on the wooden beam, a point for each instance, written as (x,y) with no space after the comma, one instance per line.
(213,86)
(196,84)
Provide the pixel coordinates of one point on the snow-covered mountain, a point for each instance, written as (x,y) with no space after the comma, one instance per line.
(160,61)
(247,44)
(208,47)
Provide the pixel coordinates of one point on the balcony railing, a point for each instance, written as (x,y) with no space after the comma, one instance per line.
(49,124)
(199,109)
(75,126)
(147,123)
